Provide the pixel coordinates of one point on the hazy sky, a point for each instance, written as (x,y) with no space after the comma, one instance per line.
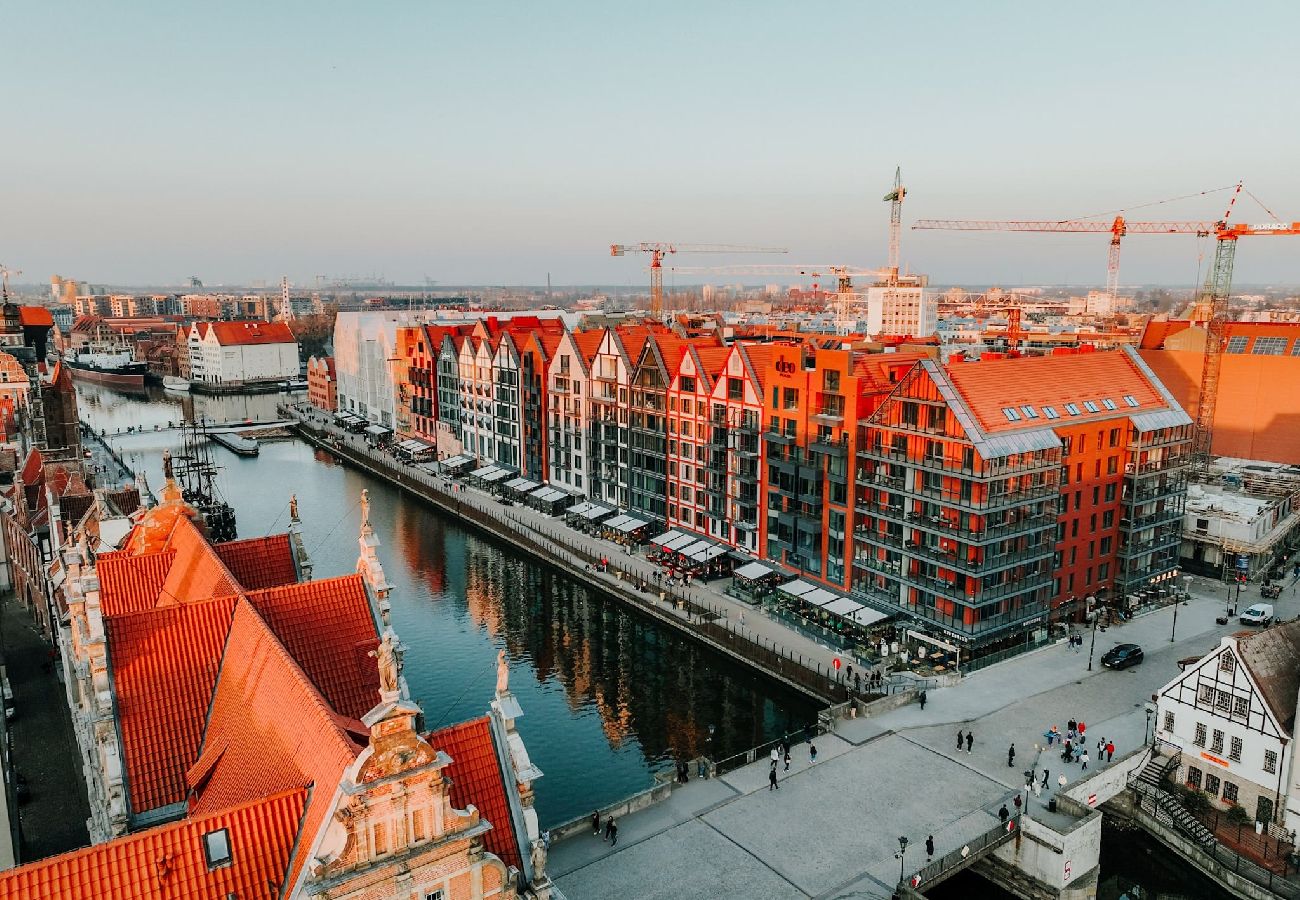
(495,142)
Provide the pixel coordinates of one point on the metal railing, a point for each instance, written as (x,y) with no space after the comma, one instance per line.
(966,855)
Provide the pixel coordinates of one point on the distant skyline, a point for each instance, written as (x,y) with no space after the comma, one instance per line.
(493,143)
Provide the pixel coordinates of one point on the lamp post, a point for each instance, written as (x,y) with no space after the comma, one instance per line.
(902,855)
(1146,735)
(1175,625)
(1096,614)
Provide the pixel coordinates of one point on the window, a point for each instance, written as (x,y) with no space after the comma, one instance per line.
(1091,406)
(1229,792)
(1169,721)
(1108,403)
(1072,409)
(1269,346)
(1130,400)
(1237,344)
(1223,700)
(1206,693)
(1216,741)
(434,895)
(1234,749)
(1199,738)
(1029,411)
(216,848)
(1270,761)
(1108,518)
(1227,663)
(1194,777)
(1241,706)
(1212,784)
(1011,414)
(1050,412)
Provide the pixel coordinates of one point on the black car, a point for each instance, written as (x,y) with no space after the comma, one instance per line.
(1121,656)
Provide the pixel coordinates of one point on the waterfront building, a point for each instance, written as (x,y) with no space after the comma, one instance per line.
(689,434)
(568,378)
(609,434)
(1232,713)
(234,355)
(535,355)
(476,384)
(322,383)
(448,423)
(1001,489)
(1253,419)
(245,732)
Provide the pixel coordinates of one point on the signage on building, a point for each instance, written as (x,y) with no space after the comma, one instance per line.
(1069,870)
(1092,799)
(1215,760)
(785,367)
(1243,562)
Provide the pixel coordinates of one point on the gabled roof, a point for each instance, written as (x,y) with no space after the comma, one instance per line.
(329,630)
(757,358)
(35,315)
(167,863)
(130,583)
(260,562)
(165,664)
(197,572)
(1272,657)
(231,334)
(712,360)
(588,343)
(1157,331)
(476,778)
(269,731)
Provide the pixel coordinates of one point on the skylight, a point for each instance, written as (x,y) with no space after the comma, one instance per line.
(1011,414)
(1130,400)
(1072,409)
(1091,406)
(1029,411)
(1050,412)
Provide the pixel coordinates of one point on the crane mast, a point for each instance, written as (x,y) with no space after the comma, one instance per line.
(659,249)
(895,199)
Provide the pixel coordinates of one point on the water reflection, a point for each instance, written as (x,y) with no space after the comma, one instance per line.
(608,697)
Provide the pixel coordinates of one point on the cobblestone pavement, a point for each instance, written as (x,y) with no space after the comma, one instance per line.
(44,748)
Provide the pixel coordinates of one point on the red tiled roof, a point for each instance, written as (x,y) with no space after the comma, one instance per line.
(35,315)
(34,467)
(991,384)
(588,342)
(168,862)
(269,730)
(476,778)
(1157,331)
(130,583)
(712,359)
(165,663)
(230,334)
(197,573)
(329,630)
(260,562)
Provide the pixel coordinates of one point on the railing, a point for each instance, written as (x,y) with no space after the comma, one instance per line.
(752,755)
(971,851)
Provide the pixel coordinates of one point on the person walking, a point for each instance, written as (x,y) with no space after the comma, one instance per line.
(595,822)
(1004,814)
(1082,727)
(1110,751)
(960,738)
(787,760)
(775,758)
(1045,774)
(1084,760)
(970,739)
(812,753)
(922,699)
(1070,729)
(612,828)
(929,848)
(1011,756)
(771,780)
(609,828)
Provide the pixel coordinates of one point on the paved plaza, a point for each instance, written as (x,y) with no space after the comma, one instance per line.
(832,829)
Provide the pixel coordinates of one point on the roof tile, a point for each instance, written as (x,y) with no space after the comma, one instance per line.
(260,562)
(476,778)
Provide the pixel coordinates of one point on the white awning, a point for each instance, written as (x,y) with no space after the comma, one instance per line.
(596,512)
(616,521)
(867,616)
(819,597)
(682,540)
(694,547)
(843,607)
(548,494)
(666,538)
(708,553)
(580,508)
(630,524)
(456,461)
(497,475)
(377,430)
(796,588)
(753,570)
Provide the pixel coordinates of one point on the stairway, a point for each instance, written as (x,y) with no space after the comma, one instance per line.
(1153,773)
(1184,821)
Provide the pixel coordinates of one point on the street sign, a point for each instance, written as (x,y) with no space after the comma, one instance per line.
(837,664)
(1243,562)
(1068,871)
(1092,799)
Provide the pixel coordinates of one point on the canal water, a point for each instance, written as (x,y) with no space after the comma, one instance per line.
(609,698)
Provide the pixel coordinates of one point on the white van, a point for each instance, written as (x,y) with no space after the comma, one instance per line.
(1259,614)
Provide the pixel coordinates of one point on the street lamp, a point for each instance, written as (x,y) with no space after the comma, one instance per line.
(1096,614)
(1146,735)
(1175,625)
(902,854)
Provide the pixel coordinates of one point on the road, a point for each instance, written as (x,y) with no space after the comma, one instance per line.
(832,828)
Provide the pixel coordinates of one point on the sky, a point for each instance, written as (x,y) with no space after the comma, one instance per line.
(494,143)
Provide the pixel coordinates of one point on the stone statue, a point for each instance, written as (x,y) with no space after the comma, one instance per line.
(167,464)
(503,673)
(365,509)
(538,859)
(293,507)
(390,664)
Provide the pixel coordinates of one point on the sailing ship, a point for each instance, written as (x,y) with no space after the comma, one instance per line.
(196,474)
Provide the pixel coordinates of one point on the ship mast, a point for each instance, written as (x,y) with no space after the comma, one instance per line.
(196,474)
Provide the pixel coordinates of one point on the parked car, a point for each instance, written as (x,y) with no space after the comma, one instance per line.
(1259,614)
(1121,656)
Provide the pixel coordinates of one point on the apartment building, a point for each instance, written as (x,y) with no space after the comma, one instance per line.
(996,490)
(322,383)
(689,434)
(568,380)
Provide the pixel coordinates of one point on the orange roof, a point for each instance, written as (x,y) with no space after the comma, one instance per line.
(231,334)
(1157,331)
(129,583)
(34,467)
(260,562)
(992,384)
(169,862)
(476,778)
(760,357)
(329,630)
(588,342)
(269,730)
(712,359)
(165,663)
(35,315)
(196,573)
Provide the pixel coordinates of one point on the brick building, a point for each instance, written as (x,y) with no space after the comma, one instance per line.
(322,383)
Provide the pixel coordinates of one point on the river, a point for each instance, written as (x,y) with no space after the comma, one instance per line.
(608,697)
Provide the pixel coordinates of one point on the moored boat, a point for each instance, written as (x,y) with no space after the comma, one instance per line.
(114,367)
(175,385)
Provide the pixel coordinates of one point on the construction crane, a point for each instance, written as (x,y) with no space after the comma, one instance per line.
(659,249)
(5,272)
(1211,307)
(844,275)
(895,198)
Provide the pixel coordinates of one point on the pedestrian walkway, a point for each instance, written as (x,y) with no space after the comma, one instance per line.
(45,751)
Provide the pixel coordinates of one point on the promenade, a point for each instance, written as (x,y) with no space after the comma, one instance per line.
(832,829)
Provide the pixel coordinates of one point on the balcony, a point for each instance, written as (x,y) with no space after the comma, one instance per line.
(1154,492)
(778,437)
(830,448)
(1141,548)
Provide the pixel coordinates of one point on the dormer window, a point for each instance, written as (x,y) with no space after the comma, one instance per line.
(216,848)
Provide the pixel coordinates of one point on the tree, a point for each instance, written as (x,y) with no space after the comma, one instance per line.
(315,334)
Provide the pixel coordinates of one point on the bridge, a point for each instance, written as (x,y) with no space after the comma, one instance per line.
(230,427)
